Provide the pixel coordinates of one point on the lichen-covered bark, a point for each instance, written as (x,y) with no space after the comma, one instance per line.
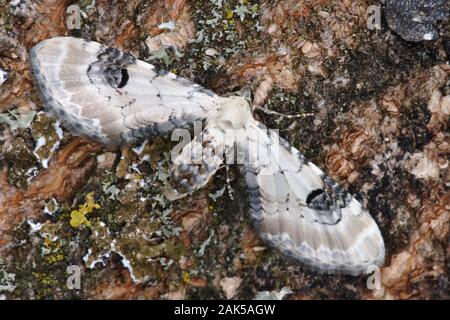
(380,108)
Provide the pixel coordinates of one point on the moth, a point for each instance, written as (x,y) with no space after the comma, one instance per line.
(114,98)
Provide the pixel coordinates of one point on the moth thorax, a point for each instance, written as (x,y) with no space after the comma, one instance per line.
(233,113)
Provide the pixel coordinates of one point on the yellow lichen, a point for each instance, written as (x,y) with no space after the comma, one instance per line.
(52,253)
(186,277)
(228,14)
(78,217)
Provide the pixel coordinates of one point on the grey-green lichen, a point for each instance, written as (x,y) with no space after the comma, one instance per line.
(7,279)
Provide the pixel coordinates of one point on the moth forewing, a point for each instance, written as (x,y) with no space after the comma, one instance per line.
(112,97)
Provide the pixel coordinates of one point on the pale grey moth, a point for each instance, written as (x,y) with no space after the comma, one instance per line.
(114,98)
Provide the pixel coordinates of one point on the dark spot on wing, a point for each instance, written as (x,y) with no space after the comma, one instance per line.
(124,78)
(111,66)
(314,195)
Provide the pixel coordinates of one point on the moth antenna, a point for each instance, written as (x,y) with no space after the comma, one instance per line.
(228,180)
(288,116)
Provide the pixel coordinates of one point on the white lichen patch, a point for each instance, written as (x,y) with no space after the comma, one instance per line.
(140,148)
(41,142)
(216,195)
(273,295)
(169,25)
(422,167)
(102,250)
(31,173)
(51,207)
(127,264)
(7,280)
(48,134)
(34,226)
(3,76)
